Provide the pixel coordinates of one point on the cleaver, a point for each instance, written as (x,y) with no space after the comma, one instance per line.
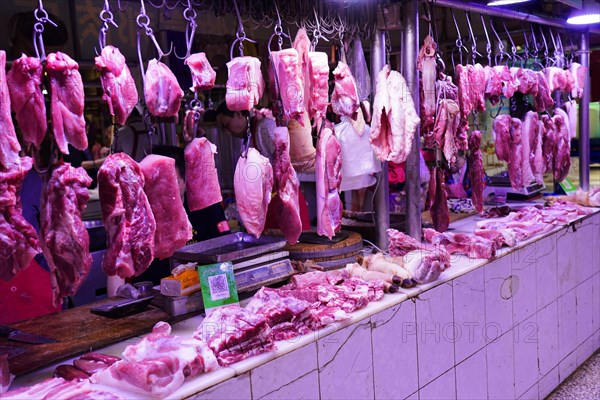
(23,337)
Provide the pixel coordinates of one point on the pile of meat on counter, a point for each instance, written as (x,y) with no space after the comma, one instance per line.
(159,363)
(532,146)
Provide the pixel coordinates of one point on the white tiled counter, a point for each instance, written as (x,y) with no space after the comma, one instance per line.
(513,327)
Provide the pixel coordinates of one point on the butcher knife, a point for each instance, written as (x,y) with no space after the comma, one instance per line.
(23,337)
(11,351)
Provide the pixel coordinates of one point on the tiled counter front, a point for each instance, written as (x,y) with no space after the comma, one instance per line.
(514,328)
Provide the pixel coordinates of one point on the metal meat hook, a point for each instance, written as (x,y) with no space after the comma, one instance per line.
(189,14)
(240,34)
(473,38)
(501,53)
(488,45)
(459,42)
(278,31)
(513,48)
(41,17)
(143,21)
(106,16)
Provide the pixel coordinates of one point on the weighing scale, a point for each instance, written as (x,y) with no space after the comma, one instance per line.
(498,187)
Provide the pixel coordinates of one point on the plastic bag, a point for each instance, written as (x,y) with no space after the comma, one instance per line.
(358,159)
(358,67)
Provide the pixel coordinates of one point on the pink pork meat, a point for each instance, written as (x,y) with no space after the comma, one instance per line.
(344,100)
(286,80)
(161,90)
(201,177)
(18,240)
(319,85)
(67,97)
(58,388)
(9,144)
(26,98)
(542,100)
(173,229)
(65,240)
(253,183)
(328,178)
(477,172)
(287,186)
(562,151)
(302,45)
(516,160)
(245,84)
(127,217)
(120,92)
(461,243)
(203,75)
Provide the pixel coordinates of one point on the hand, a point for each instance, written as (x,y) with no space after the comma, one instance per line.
(104,152)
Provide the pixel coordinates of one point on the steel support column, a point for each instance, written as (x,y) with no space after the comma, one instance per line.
(584,115)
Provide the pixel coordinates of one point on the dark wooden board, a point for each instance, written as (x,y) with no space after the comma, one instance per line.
(78,331)
(305,250)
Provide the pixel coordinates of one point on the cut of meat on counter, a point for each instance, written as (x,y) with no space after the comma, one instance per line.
(26,98)
(159,363)
(378,262)
(67,98)
(344,99)
(203,75)
(476,171)
(9,144)
(65,240)
(462,243)
(6,377)
(287,186)
(120,92)
(234,334)
(201,177)
(173,229)
(426,63)
(245,84)
(58,388)
(581,197)
(391,282)
(286,83)
(319,84)
(423,262)
(70,373)
(438,198)
(253,183)
(302,45)
(127,216)
(19,240)
(328,178)
(161,90)
(90,363)
(395,119)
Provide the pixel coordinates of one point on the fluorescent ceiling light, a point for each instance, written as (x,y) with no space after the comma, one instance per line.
(589,14)
(504,2)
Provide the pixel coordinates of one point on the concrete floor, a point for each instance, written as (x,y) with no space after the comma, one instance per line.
(583,384)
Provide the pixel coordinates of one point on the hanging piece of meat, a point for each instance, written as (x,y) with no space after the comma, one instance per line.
(476,170)
(287,186)
(201,176)
(302,46)
(440,215)
(253,183)
(26,98)
(344,99)
(173,229)
(477,84)
(118,85)
(562,151)
(127,216)
(527,79)
(549,141)
(245,84)
(203,75)
(67,97)
(395,119)
(516,160)
(427,65)
(578,72)
(65,239)
(161,90)
(493,87)
(461,75)
(18,241)
(9,144)
(528,134)
(446,129)
(536,158)
(556,78)
(318,99)
(542,100)
(509,86)
(501,134)
(328,178)
(286,82)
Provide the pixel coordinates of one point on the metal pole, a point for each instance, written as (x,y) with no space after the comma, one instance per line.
(584,115)
(412,184)
(558,103)
(382,194)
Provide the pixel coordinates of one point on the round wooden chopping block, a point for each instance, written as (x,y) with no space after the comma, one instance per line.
(345,248)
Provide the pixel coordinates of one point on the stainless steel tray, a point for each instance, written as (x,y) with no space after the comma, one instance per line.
(228,248)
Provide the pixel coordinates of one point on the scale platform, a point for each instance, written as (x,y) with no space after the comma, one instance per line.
(499,187)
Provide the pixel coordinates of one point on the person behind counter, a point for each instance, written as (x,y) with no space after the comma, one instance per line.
(207,223)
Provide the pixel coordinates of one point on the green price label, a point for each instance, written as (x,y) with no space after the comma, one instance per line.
(568,186)
(217,283)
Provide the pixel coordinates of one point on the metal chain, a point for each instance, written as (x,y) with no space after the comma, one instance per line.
(41,16)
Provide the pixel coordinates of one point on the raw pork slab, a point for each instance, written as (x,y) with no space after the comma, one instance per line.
(328,178)
(127,216)
(161,90)
(344,99)
(203,75)
(9,145)
(173,229)
(252,184)
(318,100)
(18,240)
(67,97)
(65,240)
(302,45)
(245,84)
(477,172)
(287,83)
(119,88)
(26,98)
(462,243)
(440,215)
(201,177)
